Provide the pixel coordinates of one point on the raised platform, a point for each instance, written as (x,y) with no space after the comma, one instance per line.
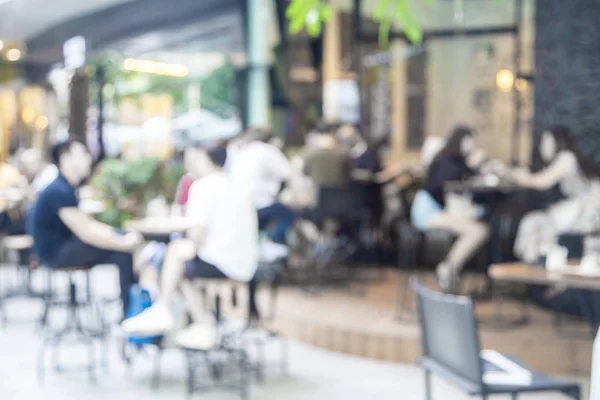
(365,324)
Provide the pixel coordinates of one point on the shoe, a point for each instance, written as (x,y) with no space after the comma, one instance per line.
(447,278)
(198,336)
(153,321)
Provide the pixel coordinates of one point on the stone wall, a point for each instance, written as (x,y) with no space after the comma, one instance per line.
(567,76)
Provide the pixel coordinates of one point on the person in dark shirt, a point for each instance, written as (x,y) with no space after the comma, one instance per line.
(64,236)
(428,209)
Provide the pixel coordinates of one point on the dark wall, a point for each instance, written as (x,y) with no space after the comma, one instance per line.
(567,69)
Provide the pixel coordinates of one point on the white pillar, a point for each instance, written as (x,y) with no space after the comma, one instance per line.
(258,62)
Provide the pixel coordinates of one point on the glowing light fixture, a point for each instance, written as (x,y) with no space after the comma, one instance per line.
(1,44)
(156,68)
(27,115)
(13,55)
(521,84)
(41,122)
(505,80)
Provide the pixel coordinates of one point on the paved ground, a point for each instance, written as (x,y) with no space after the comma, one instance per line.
(314,374)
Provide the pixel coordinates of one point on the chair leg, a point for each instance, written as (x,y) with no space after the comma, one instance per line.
(515,396)
(428,385)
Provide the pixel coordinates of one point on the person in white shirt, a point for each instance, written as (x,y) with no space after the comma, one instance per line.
(263,170)
(221,242)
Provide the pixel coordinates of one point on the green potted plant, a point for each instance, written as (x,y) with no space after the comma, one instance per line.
(126,187)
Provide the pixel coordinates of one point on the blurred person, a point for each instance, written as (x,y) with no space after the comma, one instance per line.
(64,236)
(326,163)
(221,242)
(431,147)
(364,161)
(365,165)
(39,172)
(578,180)
(13,187)
(263,170)
(429,206)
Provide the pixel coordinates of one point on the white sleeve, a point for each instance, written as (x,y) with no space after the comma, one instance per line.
(280,164)
(200,202)
(564,165)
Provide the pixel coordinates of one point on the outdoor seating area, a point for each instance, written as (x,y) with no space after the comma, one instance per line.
(291,199)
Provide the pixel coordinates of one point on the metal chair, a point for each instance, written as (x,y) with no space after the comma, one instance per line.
(73,330)
(451,349)
(15,251)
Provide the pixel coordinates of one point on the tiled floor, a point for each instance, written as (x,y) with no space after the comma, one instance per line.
(314,374)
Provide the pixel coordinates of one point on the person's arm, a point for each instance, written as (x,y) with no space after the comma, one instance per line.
(396,171)
(476,159)
(563,165)
(97,234)
(280,165)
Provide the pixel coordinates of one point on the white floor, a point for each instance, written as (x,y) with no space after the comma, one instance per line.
(314,374)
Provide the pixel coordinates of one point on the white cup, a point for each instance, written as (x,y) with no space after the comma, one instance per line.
(557,258)
(589,263)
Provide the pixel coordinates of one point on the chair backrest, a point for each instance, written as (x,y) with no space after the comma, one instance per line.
(340,203)
(449,333)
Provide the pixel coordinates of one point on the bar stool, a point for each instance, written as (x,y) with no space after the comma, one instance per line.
(14,250)
(257,335)
(226,361)
(73,330)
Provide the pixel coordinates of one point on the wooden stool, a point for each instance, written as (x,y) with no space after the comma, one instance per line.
(73,327)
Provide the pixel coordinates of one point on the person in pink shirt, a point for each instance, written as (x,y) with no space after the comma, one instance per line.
(183,190)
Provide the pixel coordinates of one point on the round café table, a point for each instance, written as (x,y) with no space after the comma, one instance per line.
(157,229)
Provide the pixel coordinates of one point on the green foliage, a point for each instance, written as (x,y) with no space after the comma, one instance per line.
(128,186)
(310,15)
(217,90)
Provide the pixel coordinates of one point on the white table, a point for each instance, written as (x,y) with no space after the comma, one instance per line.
(156,226)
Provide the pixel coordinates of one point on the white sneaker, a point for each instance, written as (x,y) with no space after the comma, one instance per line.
(198,336)
(155,320)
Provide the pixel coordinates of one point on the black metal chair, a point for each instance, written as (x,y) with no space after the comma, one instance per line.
(230,361)
(15,254)
(74,329)
(451,349)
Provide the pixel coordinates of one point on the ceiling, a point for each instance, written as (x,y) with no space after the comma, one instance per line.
(22,19)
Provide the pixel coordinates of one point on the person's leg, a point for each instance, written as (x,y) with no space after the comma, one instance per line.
(197,269)
(471,235)
(531,236)
(279,213)
(78,254)
(158,318)
(178,253)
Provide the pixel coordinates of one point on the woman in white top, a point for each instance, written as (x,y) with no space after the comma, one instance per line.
(576,177)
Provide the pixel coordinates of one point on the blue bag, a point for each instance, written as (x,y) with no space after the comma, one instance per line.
(139,300)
